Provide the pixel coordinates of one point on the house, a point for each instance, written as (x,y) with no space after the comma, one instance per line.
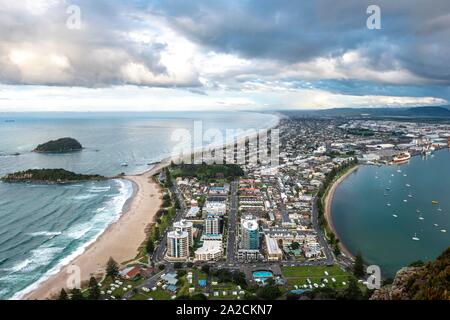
(131,273)
(170,278)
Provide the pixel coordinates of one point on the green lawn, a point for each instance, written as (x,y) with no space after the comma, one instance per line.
(299,275)
(229,287)
(159,294)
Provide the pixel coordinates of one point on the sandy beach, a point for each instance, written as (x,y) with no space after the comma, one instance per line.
(328,213)
(121,240)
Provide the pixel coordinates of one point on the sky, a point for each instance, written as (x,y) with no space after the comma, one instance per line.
(172,55)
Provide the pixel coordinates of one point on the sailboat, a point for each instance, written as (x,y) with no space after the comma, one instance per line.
(415,238)
(439,209)
(410,195)
(405,200)
(420,217)
(436,225)
(407,185)
(443,231)
(395,216)
(388,204)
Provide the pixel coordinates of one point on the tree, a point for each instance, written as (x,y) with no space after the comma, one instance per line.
(156,234)
(269,292)
(94,290)
(352,292)
(206,268)
(63,295)
(150,246)
(177,204)
(223,275)
(112,268)
(168,183)
(75,294)
(239,279)
(295,245)
(336,248)
(181,273)
(358,266)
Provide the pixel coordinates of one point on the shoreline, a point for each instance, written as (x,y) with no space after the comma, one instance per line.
(329,214)
(114,241)
(121,240)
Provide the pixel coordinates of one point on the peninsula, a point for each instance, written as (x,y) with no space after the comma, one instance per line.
(49,176)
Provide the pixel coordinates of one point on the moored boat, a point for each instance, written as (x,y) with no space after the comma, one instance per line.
(401,157)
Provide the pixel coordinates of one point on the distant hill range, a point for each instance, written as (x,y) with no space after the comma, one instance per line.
(441,112)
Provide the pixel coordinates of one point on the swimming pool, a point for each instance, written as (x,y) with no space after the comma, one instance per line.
(262,275)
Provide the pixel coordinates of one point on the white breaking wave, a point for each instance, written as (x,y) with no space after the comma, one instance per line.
(45,234)
(77,231)
(73,186)
(125,192)
(17,267)
(99,189)
(84,197)
(38,257)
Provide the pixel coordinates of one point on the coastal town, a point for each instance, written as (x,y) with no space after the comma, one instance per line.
(224,158)
(227,231)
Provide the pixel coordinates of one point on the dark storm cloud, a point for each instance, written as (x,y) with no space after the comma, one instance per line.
(414,34)
(281,41)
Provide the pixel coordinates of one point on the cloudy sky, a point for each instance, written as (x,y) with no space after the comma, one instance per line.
(221,54)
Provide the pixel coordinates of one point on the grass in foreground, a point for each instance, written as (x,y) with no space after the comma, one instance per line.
(316,274)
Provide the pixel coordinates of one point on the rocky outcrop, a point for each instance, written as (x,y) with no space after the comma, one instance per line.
(430,282)
(398,289)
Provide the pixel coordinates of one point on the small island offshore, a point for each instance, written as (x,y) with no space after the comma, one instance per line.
(59,176)
(59,146)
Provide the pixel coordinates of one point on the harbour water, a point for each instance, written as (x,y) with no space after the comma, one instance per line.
(42,227)
(379,210)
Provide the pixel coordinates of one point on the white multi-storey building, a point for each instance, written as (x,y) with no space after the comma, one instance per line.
(211,250)
(212,225)
(177,245)
(187,226)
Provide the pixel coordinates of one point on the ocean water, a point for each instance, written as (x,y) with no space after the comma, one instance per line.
(43,227)
(365,203)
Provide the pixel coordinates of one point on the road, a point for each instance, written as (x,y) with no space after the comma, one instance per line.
(160,250)
(231,259)
(232,225)
(315,221)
